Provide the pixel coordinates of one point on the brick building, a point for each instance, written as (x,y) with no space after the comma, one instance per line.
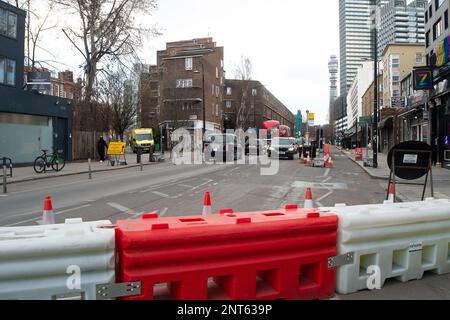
(149,89)
(247,104)
(190,76)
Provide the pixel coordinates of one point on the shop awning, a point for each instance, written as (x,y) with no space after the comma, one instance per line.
(408,112)
(385,122)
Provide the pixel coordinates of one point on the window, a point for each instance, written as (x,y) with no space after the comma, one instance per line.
(427,39)
(188,63)
(217,73)
(7,71)
(184,83)
(217,110)
(446,19)
(228,104)
(254,92)
(212,109)
(438,3)
(395,61)
(228,91)
(213,89)
(396,93)
(8,23)
(217,91)
(430,12)
(419,57)
(437,29)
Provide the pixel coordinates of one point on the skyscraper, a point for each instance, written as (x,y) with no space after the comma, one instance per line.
(333,68)
(400,22)
(355,38)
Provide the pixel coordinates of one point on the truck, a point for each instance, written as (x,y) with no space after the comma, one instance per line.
(142,138)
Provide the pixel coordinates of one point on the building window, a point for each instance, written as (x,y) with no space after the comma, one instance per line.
(212,109)
(188,63)
(427,39)
(438,3)
(396,93)
(446,19)
(254,92)
(217,73)
(217,110)
(395,61)
(217,91)
(228,104)
(7,71)
(213,89)
(8,23)
(184,83)
(437,29)
(431,11)
(228,91)
(419,57)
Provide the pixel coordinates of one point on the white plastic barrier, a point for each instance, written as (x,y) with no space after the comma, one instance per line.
(43,262)
(401,240)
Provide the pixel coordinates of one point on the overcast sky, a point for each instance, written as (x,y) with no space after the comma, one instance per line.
(289,42)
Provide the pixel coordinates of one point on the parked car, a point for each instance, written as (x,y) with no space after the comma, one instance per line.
(222,146)
(283,148)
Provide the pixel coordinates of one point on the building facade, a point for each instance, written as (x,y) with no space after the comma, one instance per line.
(149,98)
(29,122)
(355,37)
(437,47)
(401,21)
(333,69)
(248,103)
(340,114)
(398,61)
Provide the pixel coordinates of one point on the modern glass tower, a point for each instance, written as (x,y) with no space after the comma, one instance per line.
(355,29)
(401,21)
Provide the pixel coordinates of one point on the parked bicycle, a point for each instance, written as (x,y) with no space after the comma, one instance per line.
(45,161)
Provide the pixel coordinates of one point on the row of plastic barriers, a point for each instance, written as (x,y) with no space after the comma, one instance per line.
(291,253)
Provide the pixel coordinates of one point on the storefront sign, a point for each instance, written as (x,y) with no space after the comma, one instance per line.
(423,79)
(39,81)
(398,102)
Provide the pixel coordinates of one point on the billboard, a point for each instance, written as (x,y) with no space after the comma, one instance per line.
(422,79)
(311,119)
(39,81)
(398,102)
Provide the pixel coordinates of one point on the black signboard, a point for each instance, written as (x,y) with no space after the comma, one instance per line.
(39,81)
(423,79)
(398,102)
(411,160)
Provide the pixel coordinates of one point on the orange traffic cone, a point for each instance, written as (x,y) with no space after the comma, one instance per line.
(207,204)
(308,200)
(391,193)
(48,217)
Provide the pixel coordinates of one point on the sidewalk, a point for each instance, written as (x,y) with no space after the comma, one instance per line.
(441,178)
(22,174)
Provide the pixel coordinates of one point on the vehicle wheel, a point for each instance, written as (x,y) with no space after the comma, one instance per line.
(58,164)
(39,164)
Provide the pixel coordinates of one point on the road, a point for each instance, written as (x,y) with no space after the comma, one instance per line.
(174,190)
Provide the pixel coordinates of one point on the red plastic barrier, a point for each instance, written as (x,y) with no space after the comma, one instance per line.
(359,154)
(237,256)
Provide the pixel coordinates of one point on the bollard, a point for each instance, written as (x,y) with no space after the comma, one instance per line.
(150,154)
(5,190)
(141,166)
(138,154)
(90,171)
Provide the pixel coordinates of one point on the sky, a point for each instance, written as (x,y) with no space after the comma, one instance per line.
(288,41)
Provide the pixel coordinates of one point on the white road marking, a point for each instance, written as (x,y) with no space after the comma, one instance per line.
(316,185)
(161,194)
(325,195)
(185,186)
(163,212)
(3,195)
(56,213)
(122,208)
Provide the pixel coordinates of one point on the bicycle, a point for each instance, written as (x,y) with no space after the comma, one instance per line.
(45,160)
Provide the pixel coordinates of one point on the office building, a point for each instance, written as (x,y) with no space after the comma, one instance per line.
(333,69)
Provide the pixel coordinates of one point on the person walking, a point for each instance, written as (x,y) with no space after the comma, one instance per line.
(101,148)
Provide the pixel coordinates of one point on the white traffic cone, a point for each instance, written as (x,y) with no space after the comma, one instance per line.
(207,205)
(308,200)
(48,217)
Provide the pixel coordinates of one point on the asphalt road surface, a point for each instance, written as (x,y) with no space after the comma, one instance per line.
(174,190)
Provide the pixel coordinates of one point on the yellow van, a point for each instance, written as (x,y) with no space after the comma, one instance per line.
(141,138)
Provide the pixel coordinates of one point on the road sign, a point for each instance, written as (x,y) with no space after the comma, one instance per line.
(365,120)
(116,148)
(311,119)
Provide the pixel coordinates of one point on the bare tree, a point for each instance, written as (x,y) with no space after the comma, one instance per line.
(106,30)
(244,72)
(116,95)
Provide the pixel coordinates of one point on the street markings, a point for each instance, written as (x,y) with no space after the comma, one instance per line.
(327,172)
(163,212)
(163,195)
(122,208)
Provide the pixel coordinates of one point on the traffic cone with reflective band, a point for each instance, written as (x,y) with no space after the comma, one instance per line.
(308,200)
(48,217)
(207,204)
(391,193)
(308,161)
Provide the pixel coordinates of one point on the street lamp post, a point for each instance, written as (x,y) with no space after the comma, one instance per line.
(375,84)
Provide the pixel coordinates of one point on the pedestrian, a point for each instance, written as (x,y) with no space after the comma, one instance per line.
(101,148)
